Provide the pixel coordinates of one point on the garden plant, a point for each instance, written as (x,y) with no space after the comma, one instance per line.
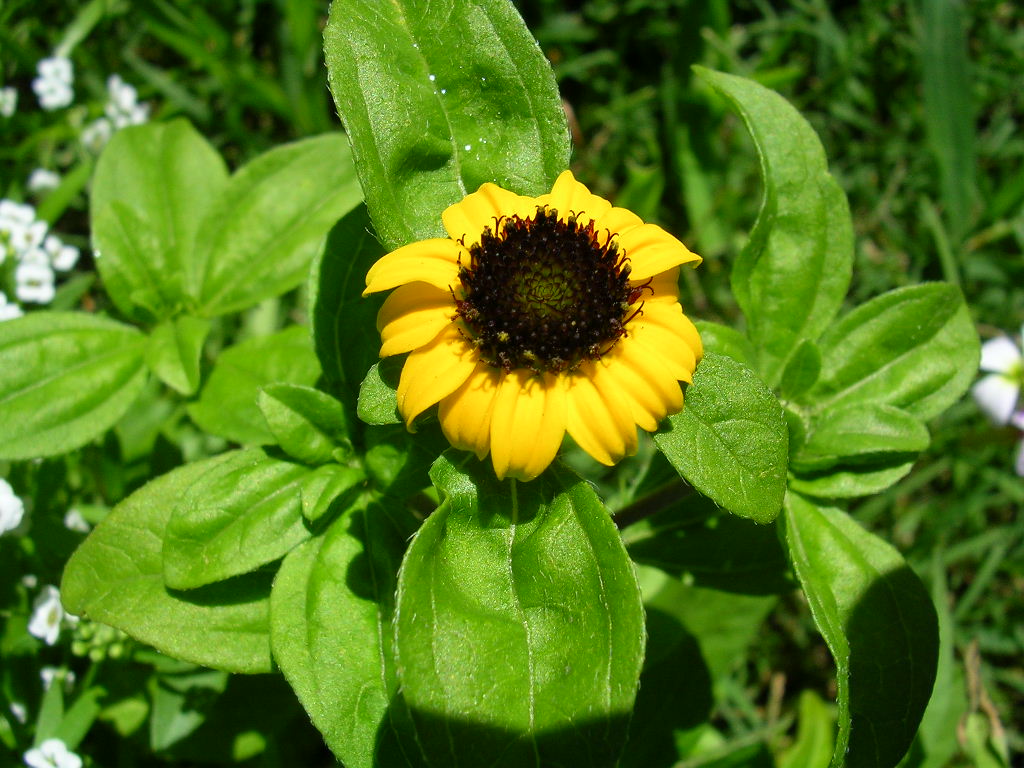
(528,417)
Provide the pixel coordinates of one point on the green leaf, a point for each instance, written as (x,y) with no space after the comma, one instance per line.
(730,440)
(860,433)
(308,424)
(116,577)
(815,737)
(345,323)
(228,404)
(792,276)
(849,482)
(65,379)
(398,461)
(260,235)
(726,340)
(325,485)
(152,186)
(879,623)
(710,549)
(802,370)
(439,98)
(331,611)
(914,348)
(243,513)
(529,592)
(378,394)
(174,350)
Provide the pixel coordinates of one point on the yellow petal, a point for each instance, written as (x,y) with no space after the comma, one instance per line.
(644,383)
(614,222)
(664,331)
(650,250)
(598,418)
(434,371)
(411,316)
(467,219)
(527,423)
(465,414)
(662,287)
(434,261)
(569,196)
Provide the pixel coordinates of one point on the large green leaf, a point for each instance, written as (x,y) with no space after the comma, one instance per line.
(228,404)
(116,577)
(65,378)
(730,440)
(519,629)
(243,513)
(152,186)
(879,623)
(792,276)
(308,424)
(438,97)
(260,235)
(344,322)
(331,611)
(175,350)
(914,348)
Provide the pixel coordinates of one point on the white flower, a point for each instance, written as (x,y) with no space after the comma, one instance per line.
(52,753)
(96,135)
(8,101)
(12,509)
(122,106)
(53,86)
(43,180)
(16,221)
(62,257)
(47,614)
(997,393)
(62,675)
(8,311)
(74,521)
(19,711)
(30,580)
(34,282)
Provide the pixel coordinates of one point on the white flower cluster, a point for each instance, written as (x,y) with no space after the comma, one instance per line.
(37,254)
(12,509)
(49,616)
(53,86)
(998,393)
(52,753)
(122,109)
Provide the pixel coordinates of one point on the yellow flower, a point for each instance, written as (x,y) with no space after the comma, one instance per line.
(539,316)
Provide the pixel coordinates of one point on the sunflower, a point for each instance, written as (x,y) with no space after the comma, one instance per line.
(535,317)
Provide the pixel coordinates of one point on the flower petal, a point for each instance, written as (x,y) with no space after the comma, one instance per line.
(434,371)
(616,221)
(434,261)
(996,396)
(467,219)
(999,355)
(668,334)
(412,316)
(663,287)
(465,414)
(644,383)
(650,250)
(527,423)
(598,419)
(569,196)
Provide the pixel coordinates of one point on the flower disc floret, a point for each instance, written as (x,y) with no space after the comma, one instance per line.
(537,317)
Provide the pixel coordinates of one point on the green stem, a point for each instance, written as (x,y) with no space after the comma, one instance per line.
(660,498)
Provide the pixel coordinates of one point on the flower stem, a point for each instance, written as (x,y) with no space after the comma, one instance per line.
(661,498)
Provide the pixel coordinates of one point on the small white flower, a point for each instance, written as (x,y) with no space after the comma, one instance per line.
(74,521)
(62,257)
(8,311)
(43,180)
(19,711)
(30,580)
(8,101)
(997,393)
(16,227)
(52,753)
(34,282)
(47,615)
(96,135)
(123,108)
(12,509)
(50,674)
(53,86)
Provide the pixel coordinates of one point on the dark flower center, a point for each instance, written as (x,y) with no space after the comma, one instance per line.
(545,294)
